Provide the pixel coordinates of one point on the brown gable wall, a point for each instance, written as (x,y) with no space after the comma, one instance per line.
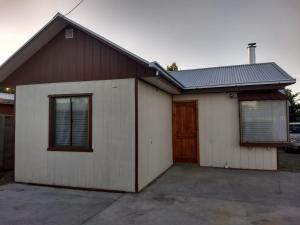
(82,58)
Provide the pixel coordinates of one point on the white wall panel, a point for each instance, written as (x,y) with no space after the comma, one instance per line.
(109,166)
(155,132)
(219,135)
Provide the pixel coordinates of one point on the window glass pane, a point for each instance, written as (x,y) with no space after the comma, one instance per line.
(263,121)
(80,109)
(62,136)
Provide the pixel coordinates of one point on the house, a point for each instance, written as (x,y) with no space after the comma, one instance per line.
(90,114)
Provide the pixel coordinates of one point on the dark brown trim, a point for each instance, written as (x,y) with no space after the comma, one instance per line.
(90,131)
(264,144)
(69,149)
(72,188)
(240,121)
(51,146)
(173,135)
(15,110)
(70,95)
(277,161)
(261,144)
(136,104)
(197,121)
(261,95)
(50,134)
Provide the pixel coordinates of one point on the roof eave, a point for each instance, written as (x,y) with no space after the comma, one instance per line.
(5,69)
(238,88)
(285,83)
(164,74)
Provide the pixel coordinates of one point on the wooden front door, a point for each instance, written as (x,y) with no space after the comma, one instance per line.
(185,132)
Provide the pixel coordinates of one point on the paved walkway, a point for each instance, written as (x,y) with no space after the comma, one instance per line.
(184,195)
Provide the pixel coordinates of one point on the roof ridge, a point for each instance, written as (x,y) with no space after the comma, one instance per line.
(215,67)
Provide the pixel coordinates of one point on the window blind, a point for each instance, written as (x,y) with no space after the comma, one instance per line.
(80,121)
(62,122)
(71,121)
(263,121)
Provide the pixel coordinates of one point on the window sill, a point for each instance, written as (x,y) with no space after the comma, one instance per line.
(264,144)
(69,149)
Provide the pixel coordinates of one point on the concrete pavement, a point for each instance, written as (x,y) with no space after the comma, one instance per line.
(184,195)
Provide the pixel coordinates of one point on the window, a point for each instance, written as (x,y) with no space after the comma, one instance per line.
(70,122)
(263,122)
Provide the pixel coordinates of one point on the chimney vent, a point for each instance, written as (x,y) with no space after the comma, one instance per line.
(251,51)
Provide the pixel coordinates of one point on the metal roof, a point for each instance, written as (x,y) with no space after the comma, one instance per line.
(230,76)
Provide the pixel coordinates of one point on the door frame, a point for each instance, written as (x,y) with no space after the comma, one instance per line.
(197,126)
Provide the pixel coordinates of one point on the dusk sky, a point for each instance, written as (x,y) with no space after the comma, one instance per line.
(195,34)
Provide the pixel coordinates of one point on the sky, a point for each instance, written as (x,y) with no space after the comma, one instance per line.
(193,33)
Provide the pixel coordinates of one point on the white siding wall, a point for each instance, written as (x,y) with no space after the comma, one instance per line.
(154,133)
(219,135)
(109,166)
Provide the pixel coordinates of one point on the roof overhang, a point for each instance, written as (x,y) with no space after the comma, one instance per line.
(283,82)
(234,89)
(163,80)
(32,46)
(162,84)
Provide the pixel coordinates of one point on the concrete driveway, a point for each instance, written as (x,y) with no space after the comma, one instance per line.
(184,195)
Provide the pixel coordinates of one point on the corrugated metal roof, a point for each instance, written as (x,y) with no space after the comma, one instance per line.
(228,76)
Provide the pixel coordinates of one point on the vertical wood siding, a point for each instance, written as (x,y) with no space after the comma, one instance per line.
(155,133)
(7,142)
(2,127)
(7,109)
(82,58)
(219,135)
(109,166)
